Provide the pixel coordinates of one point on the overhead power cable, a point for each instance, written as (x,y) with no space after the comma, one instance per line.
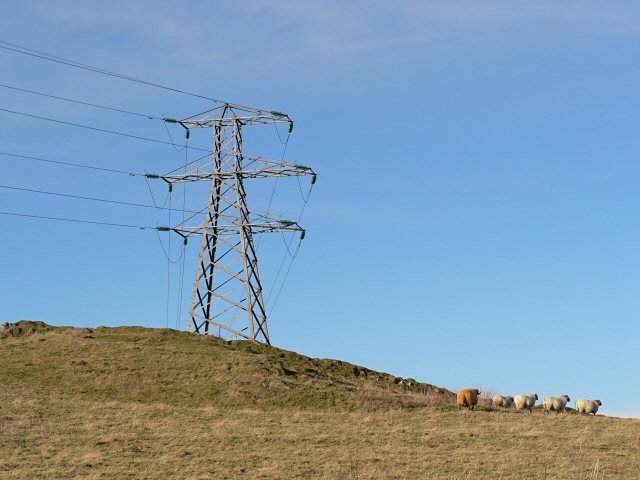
(153,198)
(90,167)
(80,102)
(273,305)
(65,61)
(79,165)
(94,199)
(288,252)
(89,127)
(75,220)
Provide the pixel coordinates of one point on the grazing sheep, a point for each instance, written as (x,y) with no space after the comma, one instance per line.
(526,401)
(468,398)
(555,404)
(501,401)
(584,405)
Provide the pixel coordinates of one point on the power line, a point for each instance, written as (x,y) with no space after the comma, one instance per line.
(89,127)
(72,63)
(171,139)
(144,115)
(90,167)
(181,287)
(273,305)
(275,184)
(65,61)
(168,261)
(80,165)
(184,245)
(153,198)
(94,199)
(164,251)
(288,251)
(75,220)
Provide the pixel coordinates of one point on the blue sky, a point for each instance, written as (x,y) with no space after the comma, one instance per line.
(475,220)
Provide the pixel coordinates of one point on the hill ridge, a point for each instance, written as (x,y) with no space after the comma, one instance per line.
(131,402)
(250,373)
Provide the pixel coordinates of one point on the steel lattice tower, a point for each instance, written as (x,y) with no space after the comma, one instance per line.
(227,297)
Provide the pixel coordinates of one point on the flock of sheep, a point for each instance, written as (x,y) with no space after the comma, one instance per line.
(469,398)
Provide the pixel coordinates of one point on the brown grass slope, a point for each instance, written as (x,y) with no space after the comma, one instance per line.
(131,402)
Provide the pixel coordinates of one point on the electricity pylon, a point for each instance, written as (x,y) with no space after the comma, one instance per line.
(227,293)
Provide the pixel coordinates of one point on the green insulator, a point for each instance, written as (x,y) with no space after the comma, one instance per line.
(313,179)
(170,120)
(278,114)
(302,234)
(291,126)
(287,223)
(184,241)
(151,175)
(170,187)
(187,134)
(163,229)
(302,167)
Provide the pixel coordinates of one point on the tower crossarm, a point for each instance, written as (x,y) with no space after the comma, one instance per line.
(258,222)
(229,113)
(254,166)
(229,229)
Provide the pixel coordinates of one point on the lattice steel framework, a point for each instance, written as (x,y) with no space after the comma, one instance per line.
(227,297)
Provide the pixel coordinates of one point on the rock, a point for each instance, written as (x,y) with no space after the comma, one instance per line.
(23,328)
(288,371)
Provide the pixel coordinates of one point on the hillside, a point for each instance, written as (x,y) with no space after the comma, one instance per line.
(131,402)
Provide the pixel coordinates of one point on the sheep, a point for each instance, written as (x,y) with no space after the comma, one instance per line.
(526,401)
(584,405)
(468,398)
(555,404)
(502,401)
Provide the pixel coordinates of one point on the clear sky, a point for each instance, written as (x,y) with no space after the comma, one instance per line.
(476,216)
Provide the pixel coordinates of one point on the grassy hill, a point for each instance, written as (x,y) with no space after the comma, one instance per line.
(131,402)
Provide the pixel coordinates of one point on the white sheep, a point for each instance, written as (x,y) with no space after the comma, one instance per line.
(502,401)
(555,404)
(584,405)
(526,401)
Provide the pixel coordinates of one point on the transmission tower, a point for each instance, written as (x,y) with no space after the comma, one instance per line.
(228,295)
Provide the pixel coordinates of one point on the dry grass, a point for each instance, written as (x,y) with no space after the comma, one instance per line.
(113,406)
